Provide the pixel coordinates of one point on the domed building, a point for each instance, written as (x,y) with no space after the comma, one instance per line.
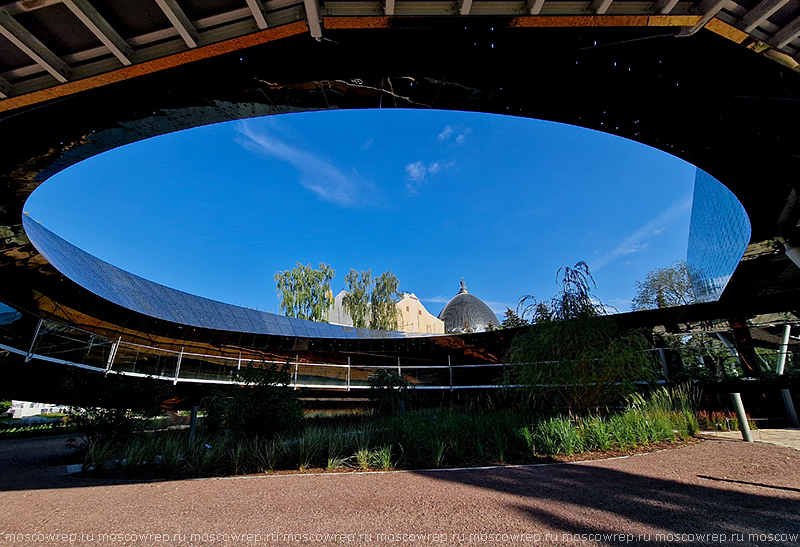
(467,313)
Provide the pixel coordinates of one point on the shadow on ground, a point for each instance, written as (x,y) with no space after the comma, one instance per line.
(592,498)
(41,462)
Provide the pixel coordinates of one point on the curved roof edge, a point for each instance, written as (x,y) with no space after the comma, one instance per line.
(149,298)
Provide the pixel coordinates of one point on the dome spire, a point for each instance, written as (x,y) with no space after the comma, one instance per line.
(463,289)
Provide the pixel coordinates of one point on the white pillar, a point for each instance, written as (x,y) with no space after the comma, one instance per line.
(744,426)
(787,329)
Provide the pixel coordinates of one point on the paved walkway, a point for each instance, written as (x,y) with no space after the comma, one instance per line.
(789,438)
(718,492)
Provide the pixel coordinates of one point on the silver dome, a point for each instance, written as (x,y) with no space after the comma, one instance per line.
(467,313)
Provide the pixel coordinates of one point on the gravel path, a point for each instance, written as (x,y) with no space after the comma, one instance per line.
(717,486)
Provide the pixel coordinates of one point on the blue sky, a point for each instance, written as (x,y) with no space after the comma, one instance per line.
(433,196)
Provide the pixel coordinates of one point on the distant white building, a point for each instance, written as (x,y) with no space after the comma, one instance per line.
(337,315)
(25,409)
(412,315)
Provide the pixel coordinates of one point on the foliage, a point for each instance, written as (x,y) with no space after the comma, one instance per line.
(664,288)
(721,421)
(513,321)
(35,430)
(357,299)
(383,303)
(305,293)
(4,406)
(704,357)
(109,409)
(388,391)
(415,440)
(261,408)
(577,359)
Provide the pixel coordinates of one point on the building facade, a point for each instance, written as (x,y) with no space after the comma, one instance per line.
(719,233)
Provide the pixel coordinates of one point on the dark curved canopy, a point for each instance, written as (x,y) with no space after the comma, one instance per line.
(704,98)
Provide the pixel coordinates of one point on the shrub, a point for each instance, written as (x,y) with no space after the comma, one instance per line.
(263,407)
(389,392)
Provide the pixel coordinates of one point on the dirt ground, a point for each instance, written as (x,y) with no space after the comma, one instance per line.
(714,492)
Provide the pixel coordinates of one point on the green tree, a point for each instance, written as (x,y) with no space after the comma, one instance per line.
(357,299)
(512,320)
(578,359)
(305,292)
(383,303)
(664,288)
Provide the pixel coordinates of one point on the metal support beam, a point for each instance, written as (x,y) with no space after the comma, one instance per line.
(348,373)
(464,6)
(707,9)
(731,348)
(259,13)
(179,20)
(296,369)
(450,367)
(178,367)
(664,7)
(785,35)
(313,19)
(789,404)
(33,48)
(787,330)
(33,341)
(534,7)
(95,22)
(744,427)
(600,6)
(6,89)
(662,353)
(112,354)
(759,14)
(388,7)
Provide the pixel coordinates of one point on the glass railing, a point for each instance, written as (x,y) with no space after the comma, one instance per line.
(26,335)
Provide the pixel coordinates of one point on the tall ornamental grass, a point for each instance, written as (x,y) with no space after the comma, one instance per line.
(416,440)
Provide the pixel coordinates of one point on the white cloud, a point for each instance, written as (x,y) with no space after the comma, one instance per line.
(463,135)
(418,172)
(445,134)
(633,249)
(317,173)
(366,145)
(438,299)
(635,242)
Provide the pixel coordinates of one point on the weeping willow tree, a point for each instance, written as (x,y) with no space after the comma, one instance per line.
(574,357)
(305,292)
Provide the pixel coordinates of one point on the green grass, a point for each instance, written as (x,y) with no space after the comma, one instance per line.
(416,440)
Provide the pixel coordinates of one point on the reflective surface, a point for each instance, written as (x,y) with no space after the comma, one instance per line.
(25,336)
(718,236)
(143,296)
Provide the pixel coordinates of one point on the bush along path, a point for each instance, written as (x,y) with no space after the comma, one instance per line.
(415,440)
